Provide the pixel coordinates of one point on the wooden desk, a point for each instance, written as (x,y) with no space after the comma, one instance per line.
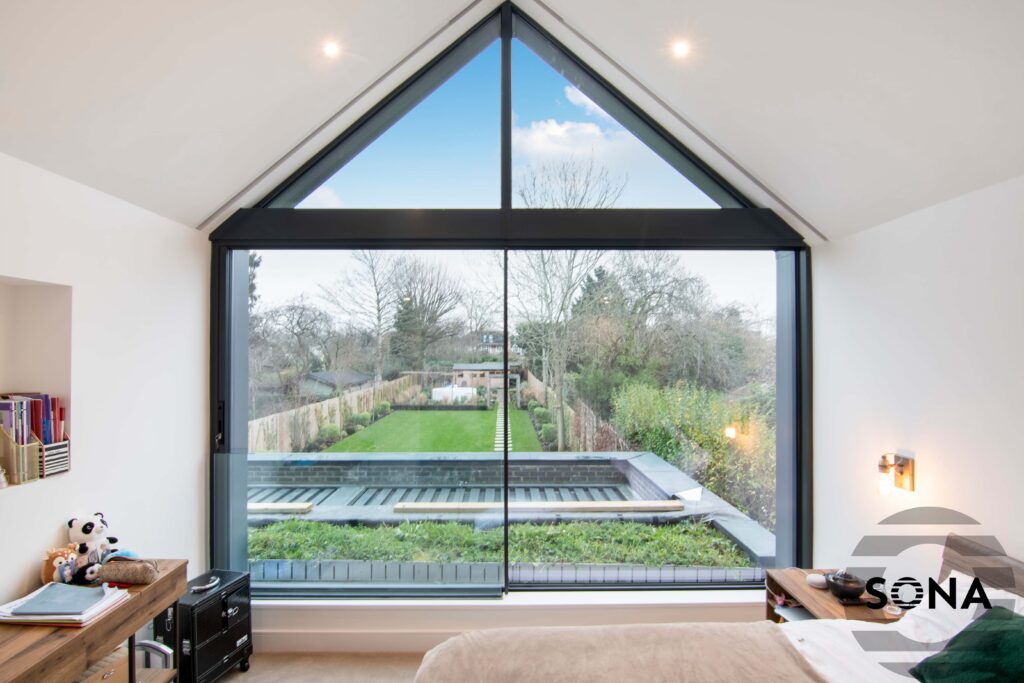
(49,653)
(820,603)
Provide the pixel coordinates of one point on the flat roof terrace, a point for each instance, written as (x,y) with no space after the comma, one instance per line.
(390,488)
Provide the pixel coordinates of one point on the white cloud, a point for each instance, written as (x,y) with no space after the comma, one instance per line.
(550,139)
(576,97)
(321,198)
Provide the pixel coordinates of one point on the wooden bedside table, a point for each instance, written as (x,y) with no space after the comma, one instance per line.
(821,604)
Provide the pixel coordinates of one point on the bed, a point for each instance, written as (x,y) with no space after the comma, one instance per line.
(813,650)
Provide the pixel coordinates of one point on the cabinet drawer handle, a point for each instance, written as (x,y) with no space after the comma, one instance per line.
(231,612)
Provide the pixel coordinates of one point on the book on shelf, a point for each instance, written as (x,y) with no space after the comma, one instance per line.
(61,604)
(24,414)
(34,442)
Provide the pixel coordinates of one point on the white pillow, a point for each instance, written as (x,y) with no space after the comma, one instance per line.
(940,623)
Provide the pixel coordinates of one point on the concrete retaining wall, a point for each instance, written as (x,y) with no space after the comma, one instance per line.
(427,469)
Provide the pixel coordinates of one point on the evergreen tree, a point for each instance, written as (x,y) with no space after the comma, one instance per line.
(254,262)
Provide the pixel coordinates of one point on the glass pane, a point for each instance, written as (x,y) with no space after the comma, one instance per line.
(648,378)
(569,152)
(375,439)
(444,153)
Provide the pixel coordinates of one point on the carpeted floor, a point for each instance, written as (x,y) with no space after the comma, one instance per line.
(329,668)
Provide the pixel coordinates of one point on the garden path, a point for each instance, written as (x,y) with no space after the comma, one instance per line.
(499,430)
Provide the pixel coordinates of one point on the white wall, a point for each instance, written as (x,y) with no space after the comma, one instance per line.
(918,345)
(6,310)
(139,371)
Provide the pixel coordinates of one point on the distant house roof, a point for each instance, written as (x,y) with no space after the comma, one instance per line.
(339,378)
(494,367)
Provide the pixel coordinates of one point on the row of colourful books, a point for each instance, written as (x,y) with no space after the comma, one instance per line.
(23,415)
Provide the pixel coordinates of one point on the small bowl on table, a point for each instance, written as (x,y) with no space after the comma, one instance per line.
(845,586)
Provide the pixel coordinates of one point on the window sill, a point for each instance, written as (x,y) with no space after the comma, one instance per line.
(416,625)
(528,599)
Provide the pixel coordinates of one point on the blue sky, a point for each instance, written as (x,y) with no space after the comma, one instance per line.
(445,153)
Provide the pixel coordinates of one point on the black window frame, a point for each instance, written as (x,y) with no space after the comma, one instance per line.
(745,227)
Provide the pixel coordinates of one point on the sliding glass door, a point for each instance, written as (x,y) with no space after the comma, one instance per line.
(375,433)
(646,452)
(419,421)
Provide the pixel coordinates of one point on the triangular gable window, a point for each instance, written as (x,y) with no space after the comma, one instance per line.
(436,142)
(576,145)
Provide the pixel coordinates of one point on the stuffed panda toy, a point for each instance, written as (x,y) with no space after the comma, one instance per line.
(87,574)
(88,534)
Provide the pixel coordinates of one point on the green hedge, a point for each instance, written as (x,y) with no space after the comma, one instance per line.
(548,433)
(686,426)
(328,436)
(357,422)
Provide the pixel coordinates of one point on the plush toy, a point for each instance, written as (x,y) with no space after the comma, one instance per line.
(90,539)
(59,565)
(87,574)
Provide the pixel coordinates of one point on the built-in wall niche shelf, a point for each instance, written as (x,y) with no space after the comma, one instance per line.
(35,357)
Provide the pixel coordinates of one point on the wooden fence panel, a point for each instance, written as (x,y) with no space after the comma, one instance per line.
(291,430)
(585,430)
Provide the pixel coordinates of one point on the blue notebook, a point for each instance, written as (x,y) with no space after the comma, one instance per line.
(60,599)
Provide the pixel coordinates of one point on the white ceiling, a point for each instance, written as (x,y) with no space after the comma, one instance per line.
(851,113)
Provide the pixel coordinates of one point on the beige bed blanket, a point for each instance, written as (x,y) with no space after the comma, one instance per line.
(648,653)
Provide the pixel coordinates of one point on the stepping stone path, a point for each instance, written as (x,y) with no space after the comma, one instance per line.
(499,430)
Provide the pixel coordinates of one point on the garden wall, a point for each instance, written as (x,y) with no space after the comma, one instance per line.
(425,469)
(413,574)
(292,429)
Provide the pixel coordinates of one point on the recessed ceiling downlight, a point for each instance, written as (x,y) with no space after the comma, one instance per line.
(680,49)
(332,49)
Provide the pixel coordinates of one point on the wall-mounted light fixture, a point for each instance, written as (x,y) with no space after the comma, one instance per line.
(895,471)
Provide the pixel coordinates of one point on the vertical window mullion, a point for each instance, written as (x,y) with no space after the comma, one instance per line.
(508,425)
(506,106)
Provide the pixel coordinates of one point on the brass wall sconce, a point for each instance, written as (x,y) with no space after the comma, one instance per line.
(895,471)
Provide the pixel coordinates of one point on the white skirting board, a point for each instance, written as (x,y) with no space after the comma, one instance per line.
(417,626)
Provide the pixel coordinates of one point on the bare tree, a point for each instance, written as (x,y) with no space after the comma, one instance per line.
(570,183)
(658,292)
(543,285)
(480,308)
(301,334)
(366,297)
(424,315)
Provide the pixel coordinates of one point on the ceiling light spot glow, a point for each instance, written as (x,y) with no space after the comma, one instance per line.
(680,49)
(332,49)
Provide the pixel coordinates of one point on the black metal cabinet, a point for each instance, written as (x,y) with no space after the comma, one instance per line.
(214,623)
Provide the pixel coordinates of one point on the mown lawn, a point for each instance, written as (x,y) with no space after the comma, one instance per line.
(524,437)
(688,544)
(438,431)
